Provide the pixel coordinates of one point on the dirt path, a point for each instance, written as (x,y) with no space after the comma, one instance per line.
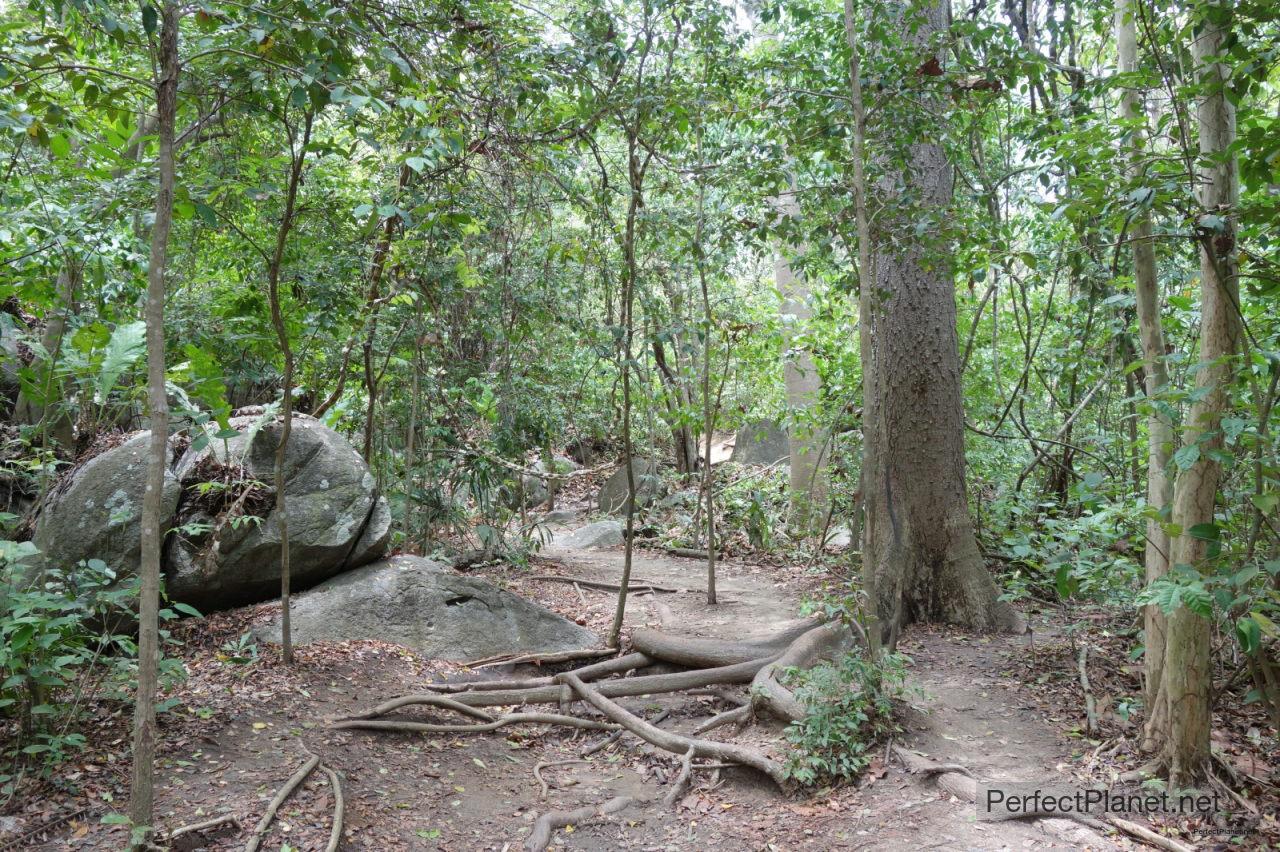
(965,708)
(241,728)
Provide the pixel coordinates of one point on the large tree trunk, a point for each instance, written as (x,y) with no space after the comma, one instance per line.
(1155,378)
(1187,671)
(142,790)
(806,444)
(920,545)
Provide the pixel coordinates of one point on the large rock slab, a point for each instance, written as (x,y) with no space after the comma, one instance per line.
(763,442)
(337,518)
(613,497)
(417,603)
(599,534)
(96,511)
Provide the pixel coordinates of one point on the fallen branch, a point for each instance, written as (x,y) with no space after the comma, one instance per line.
(540,836)
(432,700)
(686,552)
(339,809)
(603,586)
(674,742)
(255,840)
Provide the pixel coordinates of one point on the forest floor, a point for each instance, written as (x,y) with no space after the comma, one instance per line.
(241,729)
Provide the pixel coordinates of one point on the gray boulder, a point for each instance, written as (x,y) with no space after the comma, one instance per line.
(414,602)
(337,519)
(613,494)
(599,534)
(559,517)
(96,511)
(763,442)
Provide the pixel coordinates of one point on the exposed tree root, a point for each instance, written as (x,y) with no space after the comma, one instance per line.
(688,651)
(483,727)
(216,822)
(339,809)
(600,585)
(540,836)
(283,793)
(1067,826)
(768,694)
(539,659)
(738,715)
(673,742)
(541,765)
(681,783)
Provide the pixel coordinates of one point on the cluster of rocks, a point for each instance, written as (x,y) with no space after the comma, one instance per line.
(337,519)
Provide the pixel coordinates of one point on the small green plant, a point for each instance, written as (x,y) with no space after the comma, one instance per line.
(850,710)
(242,652)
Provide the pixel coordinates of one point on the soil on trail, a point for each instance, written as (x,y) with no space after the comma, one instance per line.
(242,729)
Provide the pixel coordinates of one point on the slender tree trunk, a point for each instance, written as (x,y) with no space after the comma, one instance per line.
(920,541)
(1187,672)
(282,336)
(635,170)
(866,278)
(1155,378)
(142,786)
(708,405)
(51,413)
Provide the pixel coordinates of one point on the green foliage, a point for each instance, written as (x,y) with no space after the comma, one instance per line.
(50,644)
(850,710)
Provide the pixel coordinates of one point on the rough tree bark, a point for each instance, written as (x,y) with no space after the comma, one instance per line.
(1155,378)
(919,541)
(142,788)
(1187,673)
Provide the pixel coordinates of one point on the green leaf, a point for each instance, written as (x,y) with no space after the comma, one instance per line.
(1205,532)
(1266,503)
(59,146)
(1186,457)
(149,19)
(1248,634)
(126,346)
(188,610)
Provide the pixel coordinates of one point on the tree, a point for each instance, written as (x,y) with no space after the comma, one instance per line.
(142,791)
(919,541)
(1155,378)
(1185,723)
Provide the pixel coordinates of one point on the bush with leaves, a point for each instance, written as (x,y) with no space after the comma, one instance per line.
(850,710)
(62,643)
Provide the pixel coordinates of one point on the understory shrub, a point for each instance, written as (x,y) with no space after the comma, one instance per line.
(850,710)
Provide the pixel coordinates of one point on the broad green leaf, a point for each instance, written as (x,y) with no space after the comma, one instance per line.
(126,346)
(1186,457)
